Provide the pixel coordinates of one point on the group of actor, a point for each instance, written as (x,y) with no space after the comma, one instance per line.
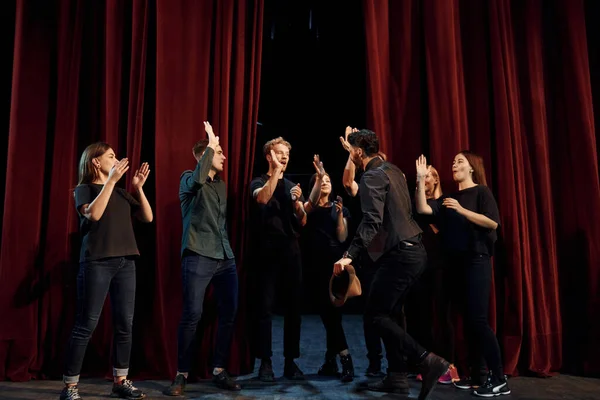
(423,248)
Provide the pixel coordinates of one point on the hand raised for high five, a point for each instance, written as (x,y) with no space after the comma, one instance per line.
(140,176)
(118,170)
(213,141)
(318,166)
(422,168)
(274,163)
(344,139)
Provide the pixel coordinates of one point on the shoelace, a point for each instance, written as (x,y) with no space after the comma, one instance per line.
(128,385)
(73,392)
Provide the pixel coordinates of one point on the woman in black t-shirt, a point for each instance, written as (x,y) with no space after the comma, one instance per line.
(468,220)
(324,234)
(106,262)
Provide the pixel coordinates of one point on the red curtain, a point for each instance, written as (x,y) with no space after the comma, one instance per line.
(141,75)
(511,81)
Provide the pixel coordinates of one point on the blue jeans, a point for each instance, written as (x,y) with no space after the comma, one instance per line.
(95,279)
(197,272)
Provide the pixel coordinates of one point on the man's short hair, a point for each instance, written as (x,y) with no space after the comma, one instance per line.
(366,140)
(273,142)
(200,146)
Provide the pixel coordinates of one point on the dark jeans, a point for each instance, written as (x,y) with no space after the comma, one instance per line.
(472,294)
(396,271)
(279,269)
(95,279)
(197,272)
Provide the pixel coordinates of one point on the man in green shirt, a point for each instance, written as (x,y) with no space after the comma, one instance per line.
(206,258)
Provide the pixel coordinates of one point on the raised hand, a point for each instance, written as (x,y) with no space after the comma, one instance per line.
(318,166)
(213,141)
(275,164)
(422,168)
(118,170)
(344,139)
(140,176)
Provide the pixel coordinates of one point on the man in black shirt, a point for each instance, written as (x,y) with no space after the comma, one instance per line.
(278,213)
(393,240)
(206,258)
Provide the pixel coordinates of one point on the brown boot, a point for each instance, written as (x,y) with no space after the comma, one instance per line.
(432,367)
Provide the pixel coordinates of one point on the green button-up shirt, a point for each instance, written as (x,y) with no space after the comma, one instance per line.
(204,211)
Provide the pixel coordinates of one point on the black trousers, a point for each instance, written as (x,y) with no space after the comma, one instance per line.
(279,271)
(396,272)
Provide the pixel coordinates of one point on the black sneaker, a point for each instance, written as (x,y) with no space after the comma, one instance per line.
(177,388)
(126,390)
(468,383)
(224,381)
(292,371)
(492,387)
(265,372)
(70,393)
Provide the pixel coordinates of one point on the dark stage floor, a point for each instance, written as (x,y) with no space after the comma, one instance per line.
(560,387)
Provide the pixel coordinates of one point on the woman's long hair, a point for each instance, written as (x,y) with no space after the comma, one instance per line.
(437,189)
(87,172)
(476,163)
(313,180)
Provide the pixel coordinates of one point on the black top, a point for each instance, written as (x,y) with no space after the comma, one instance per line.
(204,211)
(458,233)
(275,221)
(112,235)
(387,211)
(320,232)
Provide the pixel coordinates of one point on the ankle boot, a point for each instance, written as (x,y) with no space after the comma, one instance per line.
(347,368)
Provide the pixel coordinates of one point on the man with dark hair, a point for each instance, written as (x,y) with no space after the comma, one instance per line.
(393,240)
(206,258)
(278,213)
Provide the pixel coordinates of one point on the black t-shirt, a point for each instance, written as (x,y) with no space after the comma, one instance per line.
(275,221)
(112,235)
(431,238)
(458,233)
(320,232)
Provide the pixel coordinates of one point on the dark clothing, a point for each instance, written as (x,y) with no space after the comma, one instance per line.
(472,294)
(458,233)
(396,272)
(116,276)
(279,269)
(204,211)
(323,250)
(387,212)
(279,266)
(112,235)
(197,272)
(275,221)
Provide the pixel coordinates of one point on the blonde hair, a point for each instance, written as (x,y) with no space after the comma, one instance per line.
(273,142)
(437,188)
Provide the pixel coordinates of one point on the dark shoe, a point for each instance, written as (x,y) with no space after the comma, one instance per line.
(291,371)
(393,382)
(493,387)
(224,381)
(126,390)
(432,368)
(465,384)
(70,393)
(329,367)
(347,368)
(374,368)
(265,372)
(177,387)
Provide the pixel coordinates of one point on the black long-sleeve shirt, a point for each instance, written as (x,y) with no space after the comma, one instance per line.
(387,210)
(204,211)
